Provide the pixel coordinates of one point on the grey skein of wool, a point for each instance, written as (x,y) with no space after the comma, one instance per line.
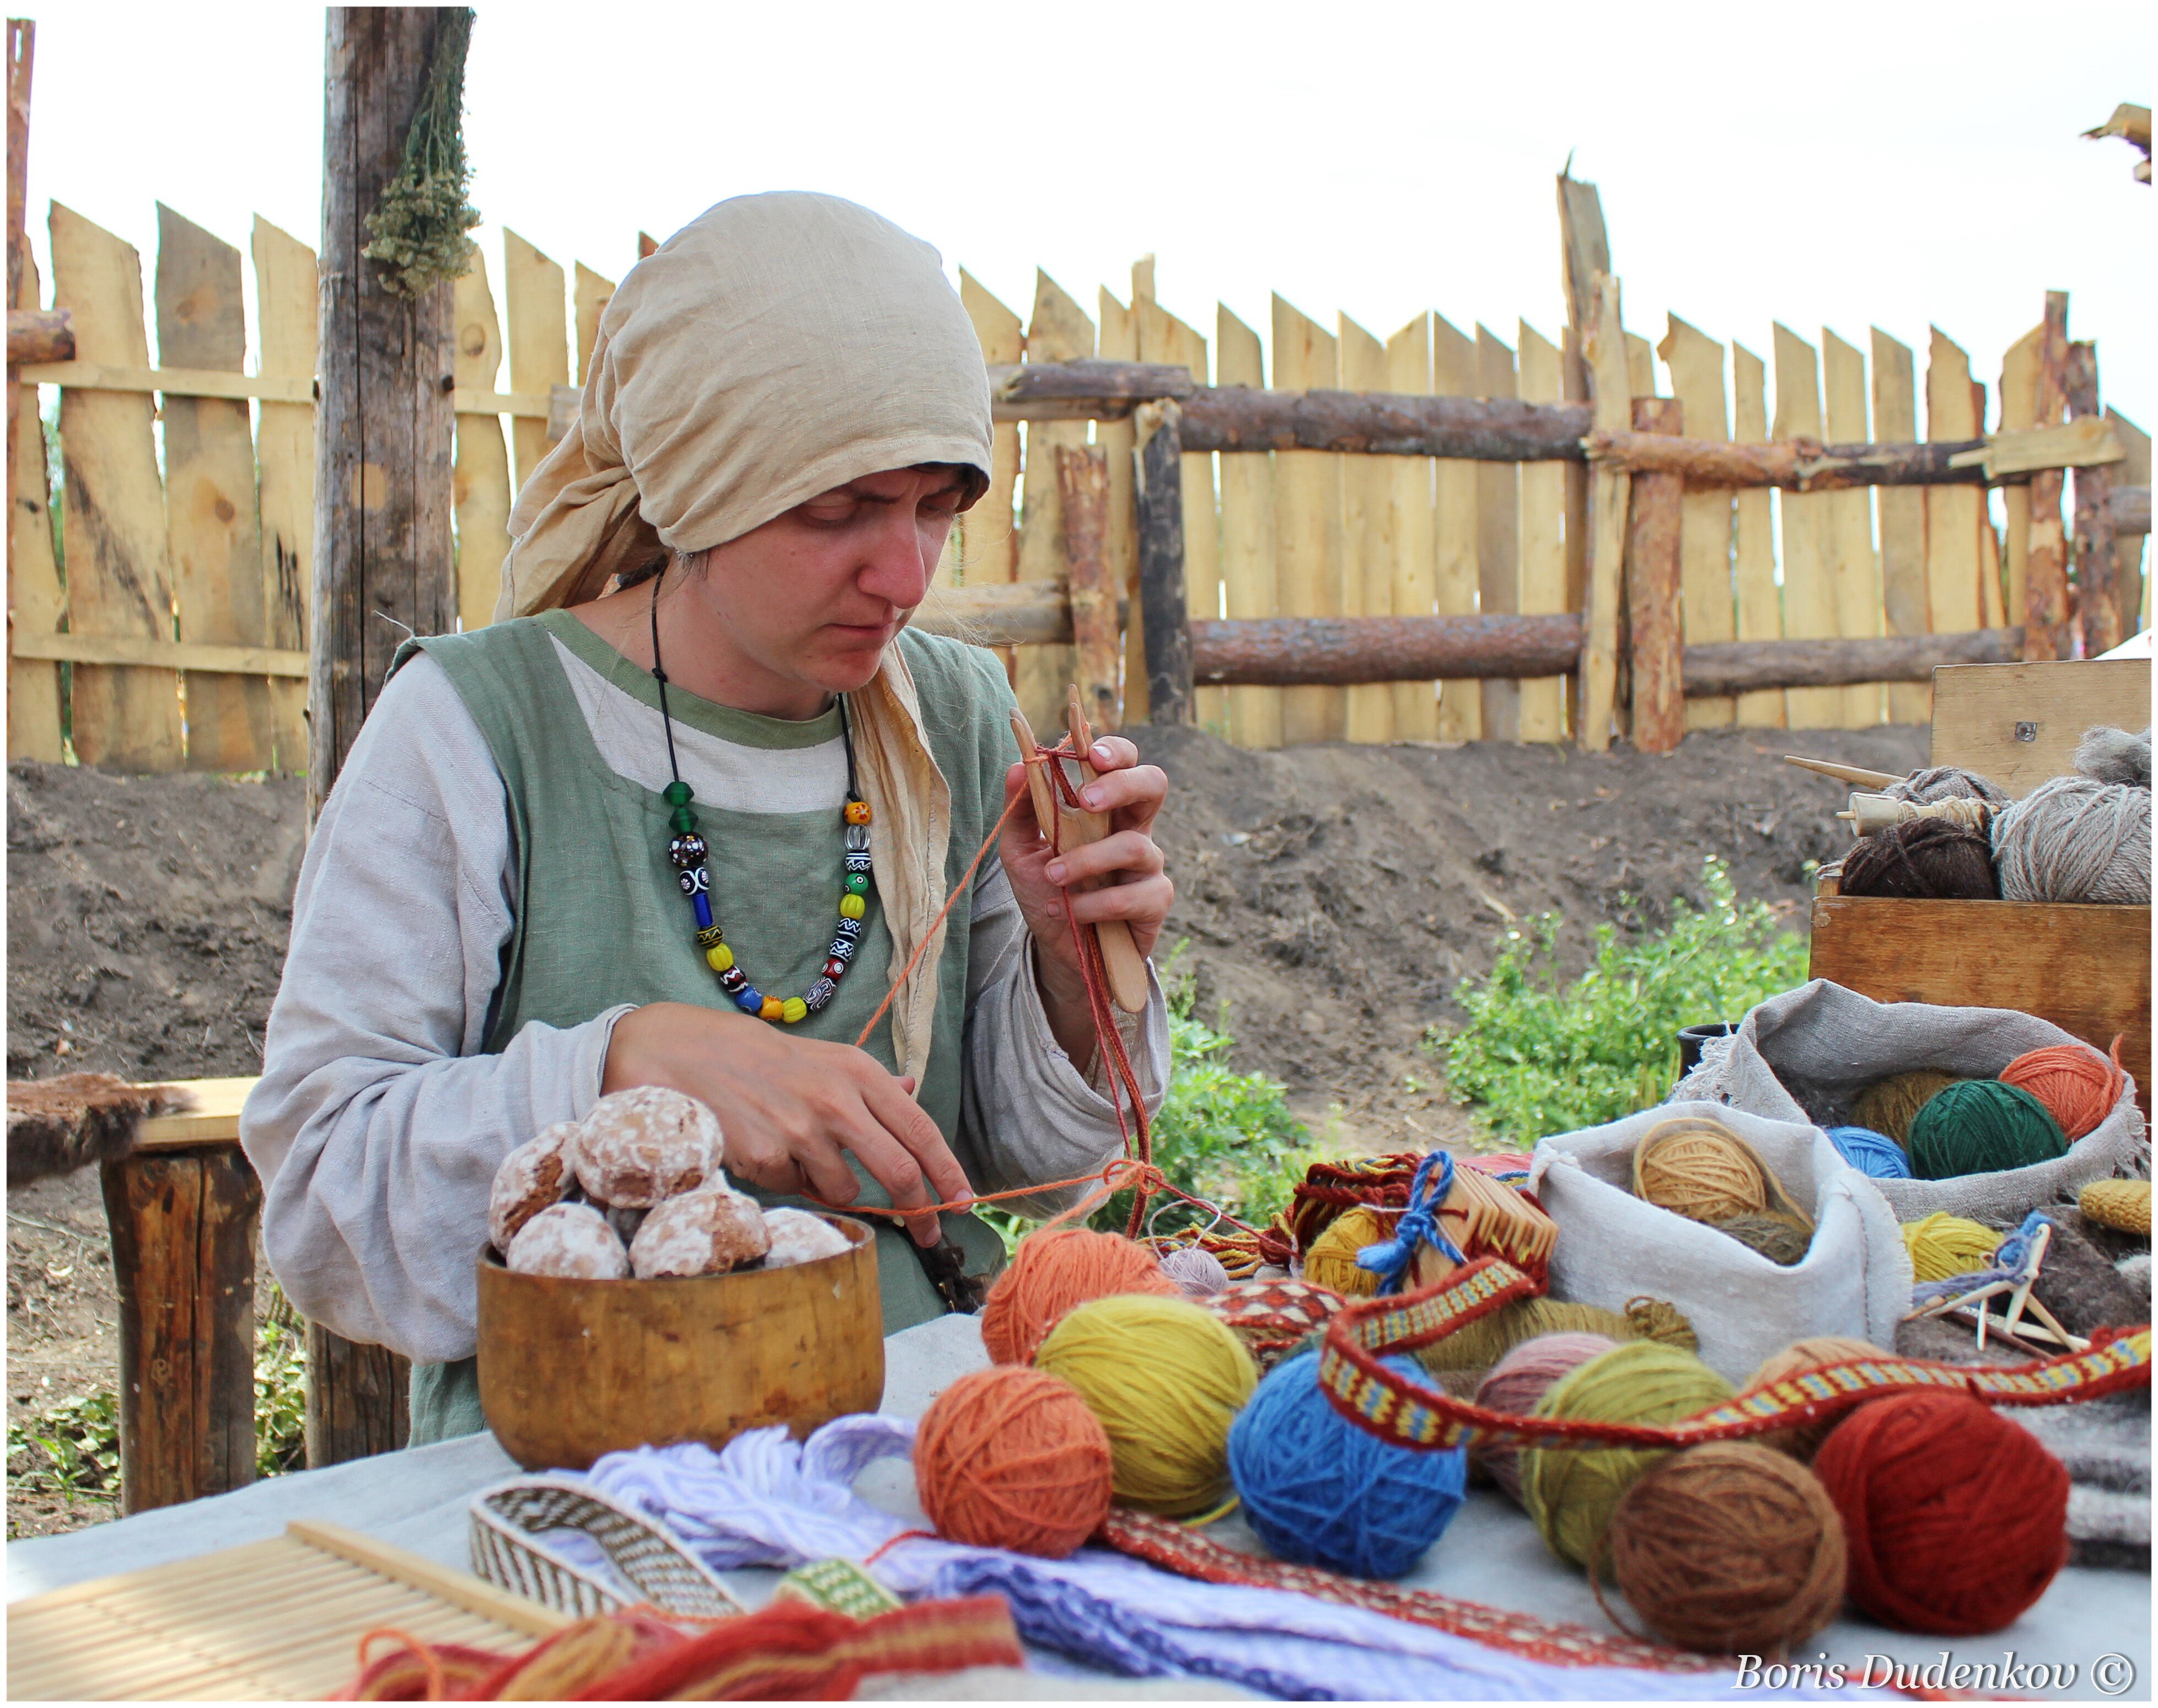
(2076,840)
(1946,783)
(2114,757)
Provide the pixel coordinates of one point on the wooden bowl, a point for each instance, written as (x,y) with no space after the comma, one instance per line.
(570,1369)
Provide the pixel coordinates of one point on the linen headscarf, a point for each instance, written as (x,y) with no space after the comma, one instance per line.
(773,349)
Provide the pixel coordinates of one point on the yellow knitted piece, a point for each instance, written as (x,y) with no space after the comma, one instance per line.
(2119,1203)
(1943,1244)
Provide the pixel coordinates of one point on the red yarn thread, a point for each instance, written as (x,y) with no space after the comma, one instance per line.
(1956,1519)
(1011,1458)
(2078,1086)
(1054,1270)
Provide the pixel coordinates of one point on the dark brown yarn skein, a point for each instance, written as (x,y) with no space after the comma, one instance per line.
(1924,859)
(1777,1238)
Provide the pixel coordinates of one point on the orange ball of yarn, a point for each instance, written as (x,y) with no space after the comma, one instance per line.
(2078,1086)
(1050,1273)
(1011,1458)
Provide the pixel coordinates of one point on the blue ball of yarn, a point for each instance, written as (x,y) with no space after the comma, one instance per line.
(1319,1491)
(1874,1154)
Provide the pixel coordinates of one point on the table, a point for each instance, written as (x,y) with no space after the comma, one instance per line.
(417,1498)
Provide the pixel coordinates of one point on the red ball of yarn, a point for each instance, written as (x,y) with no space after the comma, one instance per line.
(1956,1519)
(2078,1086)
(1050,1273)
(1011,1458)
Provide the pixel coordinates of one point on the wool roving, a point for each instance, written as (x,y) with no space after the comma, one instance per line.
(1331,1262)
(1942,1246)
(1055,1270)
(1701,1169)
(1480,1344)
(1874,1154)
(1979,1127)
(1956,1519)
(1889,1105)
(1923,858)
(2075,840)
(1946,783)
(1011,1458)
(1165,1378)
(2124,1205)
(2078,1086)
(1802,1440)
(1197,1272)
(1514,1384)
(1776,1238)
(2114,756)
(1728,1549)
(1319,1491)
(1569,1491)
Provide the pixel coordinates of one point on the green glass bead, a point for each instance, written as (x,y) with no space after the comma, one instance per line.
(858,883)
(676,793)
(684,820)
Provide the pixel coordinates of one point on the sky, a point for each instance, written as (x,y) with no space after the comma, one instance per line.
(1881,168)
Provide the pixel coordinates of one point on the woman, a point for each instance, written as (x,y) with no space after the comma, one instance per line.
(683,820)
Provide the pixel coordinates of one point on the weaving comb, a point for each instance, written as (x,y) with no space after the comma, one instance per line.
(1075,829)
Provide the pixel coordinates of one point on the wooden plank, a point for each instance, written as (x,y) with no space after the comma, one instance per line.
(1367,534)
(1605,350)
(2134,471)
(589,296)
(1060,332)
(211,527)
(113,514)
(1454,493)
(211,1116)
(2085,967)
(461,1589)
(1497,536)
(286,310)
(1953,514)
(1906,609)
(1165,339)
(1652,592)
(1708,610)
(1855,569)
(85,374)
(182,1231)
(2019,723)
(1307,537)
(202,655)
(1640,365)
(1754,545)
(1414,590)
(1117,338)
(1082,479)
(35,602)
(1250,586)
(2019,412)
(482,493)
(536,292)
(989,536)
(1809,610)
(1541,585)
(1161,590)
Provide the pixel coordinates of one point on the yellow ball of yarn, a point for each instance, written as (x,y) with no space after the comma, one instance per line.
(1165,1378)
(2117,1203)
(1942,1244)
(1570,1492)
(1331,1262)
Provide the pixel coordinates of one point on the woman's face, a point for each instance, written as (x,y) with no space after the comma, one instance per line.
(815,594)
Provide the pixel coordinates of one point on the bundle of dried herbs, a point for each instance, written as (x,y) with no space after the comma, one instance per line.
(419,226)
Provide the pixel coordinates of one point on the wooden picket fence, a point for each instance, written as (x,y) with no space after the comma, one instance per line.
(180,617)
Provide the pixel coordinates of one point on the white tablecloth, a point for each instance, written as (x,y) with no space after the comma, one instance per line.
(1491,1553)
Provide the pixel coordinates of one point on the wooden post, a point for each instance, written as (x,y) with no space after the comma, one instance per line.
(1497,536)
(2046,561)
(1605,348)
(183,1226)
(384,567)
(2102,611)
(1165,614)
(1652,589)
(1083,481)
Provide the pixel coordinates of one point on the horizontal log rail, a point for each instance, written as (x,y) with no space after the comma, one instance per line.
(1013,614)
(1742,667)
(40,335)
(2131,509)
(202,656)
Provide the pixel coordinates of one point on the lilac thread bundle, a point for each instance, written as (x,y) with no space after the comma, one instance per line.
(1514,1384)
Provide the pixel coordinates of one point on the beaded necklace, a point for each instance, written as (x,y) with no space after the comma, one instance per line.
(687,850)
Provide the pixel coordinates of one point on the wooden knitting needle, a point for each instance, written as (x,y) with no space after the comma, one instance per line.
(1847,773)
(1120,953)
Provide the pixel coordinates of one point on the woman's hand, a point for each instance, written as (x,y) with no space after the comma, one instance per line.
(792,1108)
(1127,862)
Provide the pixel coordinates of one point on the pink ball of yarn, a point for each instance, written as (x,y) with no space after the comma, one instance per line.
(1197,1273)
(1514,1384)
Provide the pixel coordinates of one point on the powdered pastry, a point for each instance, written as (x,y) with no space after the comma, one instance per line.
(531,1178)
(700,1233)
(639,1146)
(797,1236)
(571,1240)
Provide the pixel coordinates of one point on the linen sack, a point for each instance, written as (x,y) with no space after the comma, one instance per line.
(1854,1280)
(1805,1055)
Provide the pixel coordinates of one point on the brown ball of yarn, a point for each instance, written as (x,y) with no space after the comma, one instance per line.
(1777,1238)
(1728,1549)
(1889,1105)
(1802,1440)
(1050,1273)
(1928,859)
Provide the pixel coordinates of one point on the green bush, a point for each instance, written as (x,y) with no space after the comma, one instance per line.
(1539,1056)
(281,1391)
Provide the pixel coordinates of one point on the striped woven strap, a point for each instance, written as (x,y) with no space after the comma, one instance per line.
(1399,1409)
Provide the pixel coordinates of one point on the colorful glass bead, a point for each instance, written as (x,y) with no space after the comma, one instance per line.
(701,904)
(688,851)
(835,968)
(858,862)
(695,881)
(709,937)
(682,819)
(858,812)
(793,1009)
(750,1000)
(849,928)
(852,908)
(769,1008)
(843,950)
(676,793)
(719,957)
(858,883)
(733,980)
(818,994)
(858,839)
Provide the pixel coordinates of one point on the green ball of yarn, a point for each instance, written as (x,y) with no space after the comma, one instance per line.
(1977,1126)
(1570,1492)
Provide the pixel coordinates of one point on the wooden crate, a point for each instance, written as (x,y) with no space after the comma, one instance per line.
(2019,723)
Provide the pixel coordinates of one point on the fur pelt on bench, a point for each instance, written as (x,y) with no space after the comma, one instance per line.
(59,1125)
